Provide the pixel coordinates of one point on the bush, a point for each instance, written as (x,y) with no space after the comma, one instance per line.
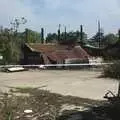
(113,70)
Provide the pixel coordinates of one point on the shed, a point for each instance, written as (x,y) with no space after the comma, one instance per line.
(35,53)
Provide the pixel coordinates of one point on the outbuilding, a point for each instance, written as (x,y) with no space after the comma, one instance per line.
(36,53)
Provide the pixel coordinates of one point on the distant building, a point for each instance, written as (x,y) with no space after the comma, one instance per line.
(109,52)
(94,51)
(35,53)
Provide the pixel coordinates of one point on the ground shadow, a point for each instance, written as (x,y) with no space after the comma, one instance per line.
(52,106)
(104,112)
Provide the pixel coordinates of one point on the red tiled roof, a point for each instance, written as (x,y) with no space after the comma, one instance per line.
(59,52)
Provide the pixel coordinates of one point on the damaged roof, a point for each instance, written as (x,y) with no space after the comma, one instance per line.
(59,52)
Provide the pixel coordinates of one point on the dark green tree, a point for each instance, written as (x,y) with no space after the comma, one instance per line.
(52,38)
(110,39)
(98,38)
(66,38)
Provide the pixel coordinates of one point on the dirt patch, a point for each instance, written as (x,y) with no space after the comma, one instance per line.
(42,105)
(84,84)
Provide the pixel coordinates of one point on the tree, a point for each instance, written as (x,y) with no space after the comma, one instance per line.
(110,39)
(10,42)
(66,38)
(5,40)
(52,38)
(97,39)
(16,23)
(32,36)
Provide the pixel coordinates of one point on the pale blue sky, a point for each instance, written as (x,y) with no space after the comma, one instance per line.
(72,13)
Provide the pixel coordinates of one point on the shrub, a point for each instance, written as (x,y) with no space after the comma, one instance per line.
(113,70)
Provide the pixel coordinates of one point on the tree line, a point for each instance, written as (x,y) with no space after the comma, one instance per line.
(11,41)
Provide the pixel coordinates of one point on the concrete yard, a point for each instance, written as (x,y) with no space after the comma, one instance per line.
(84,84)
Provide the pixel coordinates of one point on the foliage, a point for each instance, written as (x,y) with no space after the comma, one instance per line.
(113,70)
(110,39)
(32,36)
(5,43)
(11,43)
(51,38)
(105,40)
(66,38)
(97,39)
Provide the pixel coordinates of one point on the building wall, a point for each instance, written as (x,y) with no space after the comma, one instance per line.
(76,61)
(30,57)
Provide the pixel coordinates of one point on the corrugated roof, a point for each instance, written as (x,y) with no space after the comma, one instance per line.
(59,52)
(38,47)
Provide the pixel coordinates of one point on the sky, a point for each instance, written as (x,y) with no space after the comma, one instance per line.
(70,13)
